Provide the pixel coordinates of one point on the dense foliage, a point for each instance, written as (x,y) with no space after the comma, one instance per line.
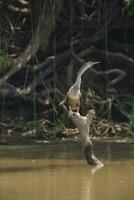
(42,46)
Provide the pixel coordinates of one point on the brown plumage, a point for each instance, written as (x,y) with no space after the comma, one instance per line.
(73,95)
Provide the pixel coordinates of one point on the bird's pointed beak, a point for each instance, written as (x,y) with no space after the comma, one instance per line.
(96,62)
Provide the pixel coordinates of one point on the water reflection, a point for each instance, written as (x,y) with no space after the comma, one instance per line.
(57,172)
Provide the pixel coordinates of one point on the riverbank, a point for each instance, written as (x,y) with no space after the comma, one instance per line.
(31,141)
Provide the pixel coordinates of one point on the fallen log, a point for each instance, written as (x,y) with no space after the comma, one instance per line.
(83,124)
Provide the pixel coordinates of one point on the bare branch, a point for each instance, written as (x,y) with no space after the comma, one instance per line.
(83,124)
(45,21)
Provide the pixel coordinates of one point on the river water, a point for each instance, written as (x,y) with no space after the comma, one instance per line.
(59,172)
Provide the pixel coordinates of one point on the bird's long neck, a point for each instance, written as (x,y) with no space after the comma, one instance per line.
(78,82)
(81,71)
(79,74)
(84,68)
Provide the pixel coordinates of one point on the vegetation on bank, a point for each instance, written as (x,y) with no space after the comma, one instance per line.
(42,46)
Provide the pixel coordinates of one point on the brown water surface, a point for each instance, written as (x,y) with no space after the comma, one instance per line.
(59,172)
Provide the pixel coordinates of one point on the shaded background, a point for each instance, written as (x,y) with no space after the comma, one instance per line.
(42,46)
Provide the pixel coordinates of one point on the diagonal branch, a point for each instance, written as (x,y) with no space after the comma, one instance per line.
(40,37)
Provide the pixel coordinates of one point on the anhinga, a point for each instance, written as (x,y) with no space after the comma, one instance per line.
(73,95)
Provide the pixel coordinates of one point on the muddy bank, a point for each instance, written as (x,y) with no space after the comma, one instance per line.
(26,141)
